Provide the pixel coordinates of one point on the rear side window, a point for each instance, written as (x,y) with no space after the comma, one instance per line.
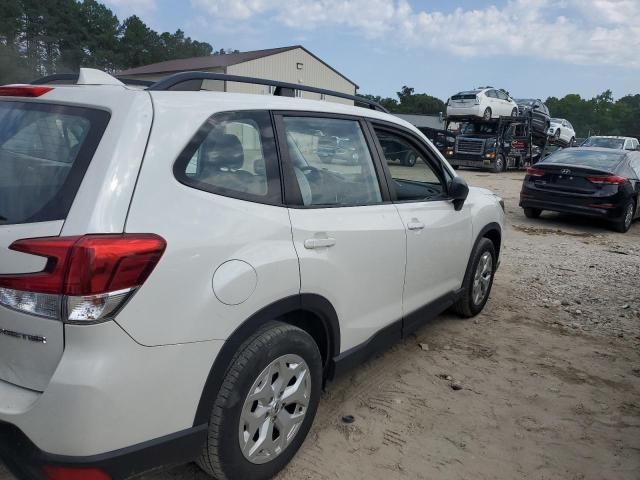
(44,153)
(233,154)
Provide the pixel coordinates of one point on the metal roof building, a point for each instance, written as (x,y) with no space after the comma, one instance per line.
(294,64)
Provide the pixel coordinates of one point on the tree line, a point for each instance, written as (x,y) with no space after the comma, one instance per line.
(600,115)
(39,38)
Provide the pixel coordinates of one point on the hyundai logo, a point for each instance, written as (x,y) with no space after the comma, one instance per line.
(565,171)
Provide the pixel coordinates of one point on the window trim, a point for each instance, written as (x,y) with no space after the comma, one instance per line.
(58,207)
(291,189)
(269,152)
(422,147)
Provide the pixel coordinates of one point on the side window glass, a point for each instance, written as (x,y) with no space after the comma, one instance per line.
(413,177)
(331,162)
(491,94)
(233,154)
(502,95)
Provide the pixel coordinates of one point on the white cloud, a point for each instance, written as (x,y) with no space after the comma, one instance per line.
(125,8)
(573,31)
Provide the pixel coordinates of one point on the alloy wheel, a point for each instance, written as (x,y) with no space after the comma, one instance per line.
(482,278)
(628,216)
(274,409)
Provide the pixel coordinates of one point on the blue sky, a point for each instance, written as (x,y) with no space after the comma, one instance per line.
(533,48)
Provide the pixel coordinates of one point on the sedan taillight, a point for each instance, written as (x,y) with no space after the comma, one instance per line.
(607,180)
(534,172)
(86,279)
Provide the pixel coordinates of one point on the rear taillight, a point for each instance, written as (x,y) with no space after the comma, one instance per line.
(607,180)
(23,90)
(86,279)
(534,172)
(477,101)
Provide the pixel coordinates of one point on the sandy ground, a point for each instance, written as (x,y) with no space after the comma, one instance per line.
(550,372)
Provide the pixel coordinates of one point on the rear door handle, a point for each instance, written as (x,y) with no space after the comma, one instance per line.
(415,226)
(311,243)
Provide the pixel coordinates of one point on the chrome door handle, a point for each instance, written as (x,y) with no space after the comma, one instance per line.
(311,243)
(415,226)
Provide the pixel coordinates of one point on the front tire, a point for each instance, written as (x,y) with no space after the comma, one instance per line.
(265,406)
(514,112)
(499,165)
(572,142)
(478,280)
(556,135)
(409,159)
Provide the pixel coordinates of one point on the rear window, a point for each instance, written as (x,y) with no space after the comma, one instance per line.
(604,142)
(44,153)
(464,96)
(598,159)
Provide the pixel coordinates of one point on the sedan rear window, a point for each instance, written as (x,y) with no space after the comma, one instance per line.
(604,142)
(44,152)
(464,96)
(598,159)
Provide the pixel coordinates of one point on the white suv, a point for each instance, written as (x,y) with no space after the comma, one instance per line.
(561,130)
(485,103)
(181,271)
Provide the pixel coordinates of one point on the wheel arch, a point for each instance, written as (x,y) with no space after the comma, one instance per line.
(493,232)
(312,313)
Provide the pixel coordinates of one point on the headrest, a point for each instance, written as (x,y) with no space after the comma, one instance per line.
(223,150)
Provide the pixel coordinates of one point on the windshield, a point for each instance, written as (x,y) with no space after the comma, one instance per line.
(44,151)
(556,120)
(479,128)
(598,159)
(604,142)
(526,101)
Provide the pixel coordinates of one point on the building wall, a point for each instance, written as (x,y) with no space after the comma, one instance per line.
(283,67)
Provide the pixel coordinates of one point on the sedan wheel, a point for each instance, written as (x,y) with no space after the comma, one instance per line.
(624,224)
(487,114)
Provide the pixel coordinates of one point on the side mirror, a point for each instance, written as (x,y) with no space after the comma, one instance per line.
(458,192)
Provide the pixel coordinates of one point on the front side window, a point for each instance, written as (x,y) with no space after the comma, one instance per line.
(414,178)
(233,154)
(331,162)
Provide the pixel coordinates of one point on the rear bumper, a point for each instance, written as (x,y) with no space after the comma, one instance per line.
(28,462)
(108,395)
(571,206)
(461,112)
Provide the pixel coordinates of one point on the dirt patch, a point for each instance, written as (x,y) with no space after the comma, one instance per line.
(529,230)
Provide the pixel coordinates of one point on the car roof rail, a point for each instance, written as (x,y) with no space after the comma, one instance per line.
(192,81)
(72,79)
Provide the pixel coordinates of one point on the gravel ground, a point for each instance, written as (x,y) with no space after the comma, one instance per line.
(549,372)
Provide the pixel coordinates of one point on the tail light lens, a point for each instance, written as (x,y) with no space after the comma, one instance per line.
(86,279)
(477,100)
(607,180)
(534,172)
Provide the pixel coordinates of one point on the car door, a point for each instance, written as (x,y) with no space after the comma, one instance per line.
(349,237)
(438,237)
(493,103)
(505,104)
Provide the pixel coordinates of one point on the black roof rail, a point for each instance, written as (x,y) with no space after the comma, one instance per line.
(72,78)
(190,81)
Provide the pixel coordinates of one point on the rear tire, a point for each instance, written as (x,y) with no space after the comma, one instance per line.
(514,112)
(486,116)
(532,212)
(233,450)
(572,142)
(478,280)
(623,224)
